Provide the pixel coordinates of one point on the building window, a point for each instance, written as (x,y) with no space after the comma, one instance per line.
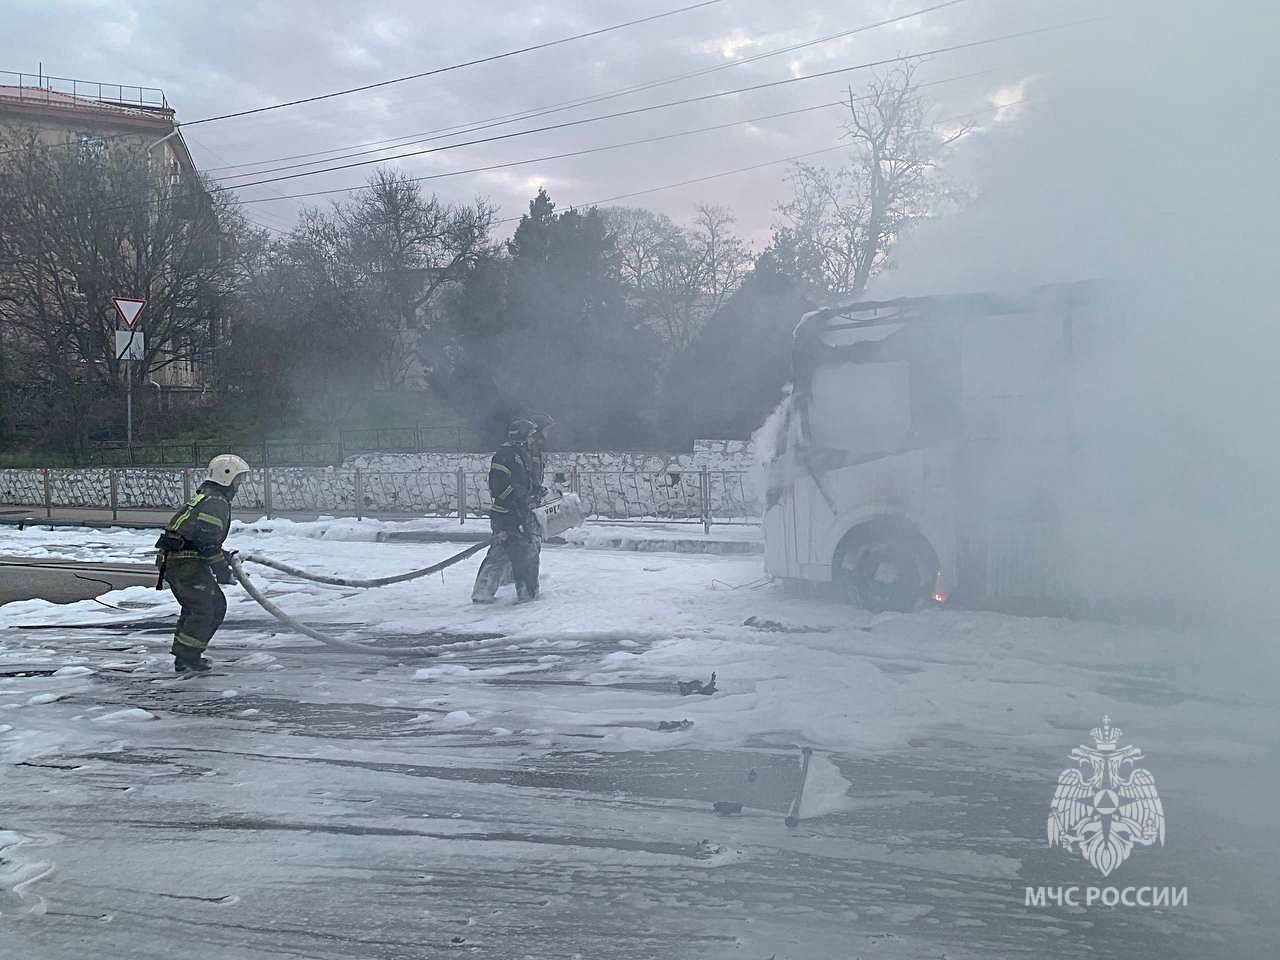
(92,149)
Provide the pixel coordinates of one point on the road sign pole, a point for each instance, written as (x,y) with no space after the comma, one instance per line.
(128,406)
(129,309)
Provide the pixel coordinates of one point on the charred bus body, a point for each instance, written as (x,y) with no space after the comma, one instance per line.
(949,446)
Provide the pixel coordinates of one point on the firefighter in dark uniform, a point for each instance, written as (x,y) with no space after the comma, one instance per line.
(538,455)
(515,528)
(193,564)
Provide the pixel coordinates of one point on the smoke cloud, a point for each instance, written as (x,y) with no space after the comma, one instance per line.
(1144,153)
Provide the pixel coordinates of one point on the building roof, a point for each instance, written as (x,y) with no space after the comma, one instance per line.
(49,104)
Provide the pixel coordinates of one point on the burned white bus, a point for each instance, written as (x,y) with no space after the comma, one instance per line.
(949,446)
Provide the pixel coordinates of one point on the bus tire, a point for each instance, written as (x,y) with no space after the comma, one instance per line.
(883,565)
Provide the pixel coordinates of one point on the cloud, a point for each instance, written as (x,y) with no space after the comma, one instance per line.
(731,46)
(1009,100)
(216,58)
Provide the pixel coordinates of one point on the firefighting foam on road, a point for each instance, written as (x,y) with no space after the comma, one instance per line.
(863,548)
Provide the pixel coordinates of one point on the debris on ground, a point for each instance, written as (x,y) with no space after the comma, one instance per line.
(665,725)
(726,808)
(691,687)
(706,850)
(776,626)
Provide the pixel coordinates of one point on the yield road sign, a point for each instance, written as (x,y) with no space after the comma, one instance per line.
(129,309)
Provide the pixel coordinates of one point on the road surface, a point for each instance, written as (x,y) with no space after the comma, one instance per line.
(65,582)
(307,803)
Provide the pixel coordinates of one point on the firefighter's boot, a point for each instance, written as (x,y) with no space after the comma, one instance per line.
(190,663)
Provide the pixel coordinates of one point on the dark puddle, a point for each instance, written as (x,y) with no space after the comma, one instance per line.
(692,851)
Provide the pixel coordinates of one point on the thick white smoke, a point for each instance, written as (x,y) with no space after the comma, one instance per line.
(1146,151)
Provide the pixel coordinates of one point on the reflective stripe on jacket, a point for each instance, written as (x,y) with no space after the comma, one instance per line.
(201,525)
(509,481)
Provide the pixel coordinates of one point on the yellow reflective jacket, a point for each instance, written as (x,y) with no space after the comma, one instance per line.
(200,527)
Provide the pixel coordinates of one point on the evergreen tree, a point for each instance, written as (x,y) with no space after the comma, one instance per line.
(548,328)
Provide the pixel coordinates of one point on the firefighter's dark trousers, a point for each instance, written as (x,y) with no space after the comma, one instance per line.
(203,604)
(513,550)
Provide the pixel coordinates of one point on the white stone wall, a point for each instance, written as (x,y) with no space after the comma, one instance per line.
(614,485)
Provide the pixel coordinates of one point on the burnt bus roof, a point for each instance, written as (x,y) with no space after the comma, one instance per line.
(809,349)
(866,313)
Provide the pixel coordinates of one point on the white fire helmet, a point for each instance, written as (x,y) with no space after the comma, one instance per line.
(226,468)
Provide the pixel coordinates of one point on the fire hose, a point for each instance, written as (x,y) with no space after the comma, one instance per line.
(373,582)
(554,518)
(238,570)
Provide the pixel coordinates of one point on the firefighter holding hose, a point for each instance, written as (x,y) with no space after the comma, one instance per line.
(193,563)
(515,528)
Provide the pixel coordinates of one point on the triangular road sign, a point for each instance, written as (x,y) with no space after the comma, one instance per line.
(129,309)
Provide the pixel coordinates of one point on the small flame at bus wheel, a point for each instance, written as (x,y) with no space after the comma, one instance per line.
(939,588)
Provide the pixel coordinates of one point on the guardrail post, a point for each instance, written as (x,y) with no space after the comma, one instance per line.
(48,496)
(359,494)
(573,481)
(704,495)
(266,490)
(186,484)
(115,496)
(462,495)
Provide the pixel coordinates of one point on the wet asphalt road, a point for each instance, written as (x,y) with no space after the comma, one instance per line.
(290,818)
(295,813)
(66,583)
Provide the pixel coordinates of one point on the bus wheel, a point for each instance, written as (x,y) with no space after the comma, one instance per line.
(881,571)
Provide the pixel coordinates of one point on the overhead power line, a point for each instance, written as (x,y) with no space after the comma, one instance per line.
(456,66)
(561,156)
(615,146)
(755,166)
(546,110)
(661,106)
(383,83)
(712,176)
(586,151)
(863,66)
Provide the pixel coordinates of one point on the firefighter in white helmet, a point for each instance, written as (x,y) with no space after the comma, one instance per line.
(193,563)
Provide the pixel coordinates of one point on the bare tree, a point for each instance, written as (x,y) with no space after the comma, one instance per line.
(406,248)
(842,223)
(643,239)
(78,227)
(722,256)
(346,301)
(678,277)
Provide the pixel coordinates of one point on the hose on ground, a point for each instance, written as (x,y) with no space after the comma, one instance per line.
(238,570)
(372,582)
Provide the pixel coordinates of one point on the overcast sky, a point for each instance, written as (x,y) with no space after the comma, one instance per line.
(213,58)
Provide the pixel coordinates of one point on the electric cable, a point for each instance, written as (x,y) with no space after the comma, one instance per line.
(869,65)
(454,66)
(533,112)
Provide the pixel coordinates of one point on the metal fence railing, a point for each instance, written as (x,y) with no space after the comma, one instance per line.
(42,88)
(690,496)
(281,453)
